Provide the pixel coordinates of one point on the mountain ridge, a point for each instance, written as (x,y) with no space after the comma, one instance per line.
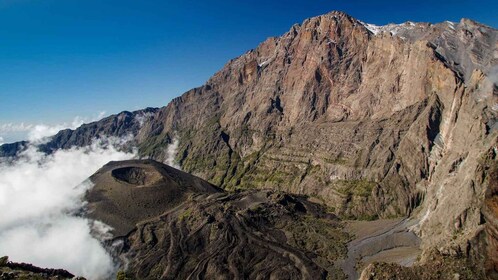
(375,126)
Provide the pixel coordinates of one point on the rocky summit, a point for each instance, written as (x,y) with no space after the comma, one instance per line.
(392,128)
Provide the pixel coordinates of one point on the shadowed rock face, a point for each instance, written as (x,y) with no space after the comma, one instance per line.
(175,226)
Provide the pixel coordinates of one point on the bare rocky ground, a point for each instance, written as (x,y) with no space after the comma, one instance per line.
(435,267)
(171,225)
(388,241)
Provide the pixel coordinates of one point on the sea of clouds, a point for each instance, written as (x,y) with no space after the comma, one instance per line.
(39,198)
(11,132)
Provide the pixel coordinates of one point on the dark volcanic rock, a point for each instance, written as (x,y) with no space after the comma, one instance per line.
(129,192)
(176,226)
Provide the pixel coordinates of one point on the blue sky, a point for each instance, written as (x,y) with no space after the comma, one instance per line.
(67,58)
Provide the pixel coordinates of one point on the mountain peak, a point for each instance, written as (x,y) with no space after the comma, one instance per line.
(374,121)
(338,13)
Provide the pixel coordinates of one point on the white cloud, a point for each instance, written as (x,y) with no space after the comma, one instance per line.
(38,194)
(1,140)
(171,152)
(39,132)
(142,118)
(13,127)
(62,242)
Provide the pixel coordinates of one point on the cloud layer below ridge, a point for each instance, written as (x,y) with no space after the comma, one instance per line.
(38,197)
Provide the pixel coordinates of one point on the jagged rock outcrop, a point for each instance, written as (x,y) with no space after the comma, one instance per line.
(373,121)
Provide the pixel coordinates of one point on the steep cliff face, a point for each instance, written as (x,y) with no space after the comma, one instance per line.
(331,109)
(373,121)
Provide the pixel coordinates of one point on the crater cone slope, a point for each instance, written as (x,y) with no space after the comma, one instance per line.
(173,225)
(128,192)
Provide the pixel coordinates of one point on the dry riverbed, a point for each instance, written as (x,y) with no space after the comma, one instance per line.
(379,241)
